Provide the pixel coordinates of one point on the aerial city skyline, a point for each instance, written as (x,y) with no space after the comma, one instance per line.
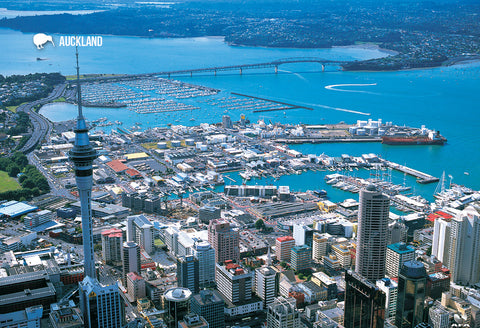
(231,165)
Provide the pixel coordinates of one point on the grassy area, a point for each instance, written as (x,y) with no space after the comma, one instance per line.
(7,183)
(159,243)
(13,109)
(61,99)
(150,145)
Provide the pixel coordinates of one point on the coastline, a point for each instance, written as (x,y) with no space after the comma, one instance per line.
(369,46)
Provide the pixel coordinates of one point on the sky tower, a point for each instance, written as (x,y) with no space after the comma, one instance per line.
(82,155)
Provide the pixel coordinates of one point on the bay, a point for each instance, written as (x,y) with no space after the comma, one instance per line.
(444,98)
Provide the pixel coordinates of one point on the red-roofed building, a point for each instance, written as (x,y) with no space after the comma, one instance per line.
(117,166)
(298,296)
(135,286)
(283,246)
(132,173)
(444,215)
(112,240)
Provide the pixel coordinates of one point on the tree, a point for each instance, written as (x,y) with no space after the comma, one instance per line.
(260,225)
(13,169)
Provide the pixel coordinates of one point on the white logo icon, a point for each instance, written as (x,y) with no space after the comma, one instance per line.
(40,39)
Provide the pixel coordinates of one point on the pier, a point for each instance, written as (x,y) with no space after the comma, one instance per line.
(289,106)
(422,178)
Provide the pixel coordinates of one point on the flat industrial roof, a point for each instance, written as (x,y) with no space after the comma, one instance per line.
(14,208)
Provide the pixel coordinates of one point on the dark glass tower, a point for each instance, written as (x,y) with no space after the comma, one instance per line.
(412,281)
(82,155)
(364,303)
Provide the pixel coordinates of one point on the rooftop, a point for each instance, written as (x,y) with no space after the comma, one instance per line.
(401,248)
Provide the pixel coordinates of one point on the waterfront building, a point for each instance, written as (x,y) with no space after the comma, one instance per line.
(283,246)
(224,240)
(266,284)
(205,254)
(141,231)
(464,257)
(82,155)
(390,289)
(412,282)
(131,259)
(176,303)
(321,245)
(372,233)
(112,241)
(188,273)
(227,122)
(234,282)
(397,254)
(301,257)
(364,303)
(210,305)
(282,313)
(102,306)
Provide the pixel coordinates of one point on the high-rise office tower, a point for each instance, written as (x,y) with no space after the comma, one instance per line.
(397,232)
(266,282)
(224,240)
(209,305)
(411,294)
(283,246)
(176,302)
(82,155)
(112,241)
(140,230)
(282,313)
(321,245)
(372,233)
(234,282)
(397,254)
(389,288)
(205,254)
(301,257)
(364,303)
(131,259)
(187,273)
(441,239)
(464,257)
(102,306)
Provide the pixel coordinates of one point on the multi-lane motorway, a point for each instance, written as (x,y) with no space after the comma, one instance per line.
(41,126)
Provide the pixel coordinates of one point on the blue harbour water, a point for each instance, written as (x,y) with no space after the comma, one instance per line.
(444,98)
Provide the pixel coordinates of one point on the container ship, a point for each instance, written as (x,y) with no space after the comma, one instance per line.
(431,138)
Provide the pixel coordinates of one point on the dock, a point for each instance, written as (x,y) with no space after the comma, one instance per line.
(422,178)
(290,106)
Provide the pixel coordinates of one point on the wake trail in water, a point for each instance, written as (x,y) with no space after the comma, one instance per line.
(296,74)
(336,87)
(327,107)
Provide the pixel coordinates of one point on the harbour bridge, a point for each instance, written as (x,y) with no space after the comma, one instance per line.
(240,68)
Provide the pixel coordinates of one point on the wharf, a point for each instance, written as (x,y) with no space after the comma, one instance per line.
(327,140)
(422,178)
(290,106)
